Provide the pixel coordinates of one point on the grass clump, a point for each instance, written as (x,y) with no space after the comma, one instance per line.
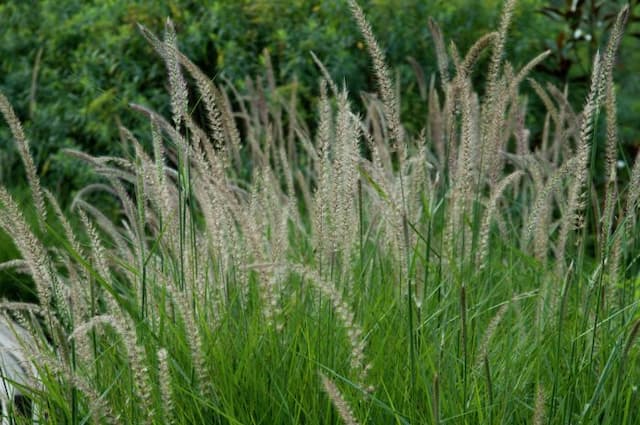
(265,273)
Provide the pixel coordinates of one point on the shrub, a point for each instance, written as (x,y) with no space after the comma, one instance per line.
(72,68)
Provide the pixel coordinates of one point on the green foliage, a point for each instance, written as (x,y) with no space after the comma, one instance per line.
(576,30)
(65,67)
(71,68)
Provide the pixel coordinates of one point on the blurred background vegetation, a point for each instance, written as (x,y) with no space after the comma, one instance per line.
(71,67)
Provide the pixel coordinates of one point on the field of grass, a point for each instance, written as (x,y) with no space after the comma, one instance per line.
(261,272)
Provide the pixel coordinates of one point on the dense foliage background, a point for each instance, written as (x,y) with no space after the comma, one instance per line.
(72,67)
